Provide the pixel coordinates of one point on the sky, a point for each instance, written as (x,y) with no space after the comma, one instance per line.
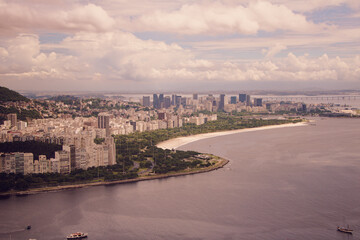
(179,45)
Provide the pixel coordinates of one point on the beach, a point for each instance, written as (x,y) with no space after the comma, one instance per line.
(169,144)
(180,141)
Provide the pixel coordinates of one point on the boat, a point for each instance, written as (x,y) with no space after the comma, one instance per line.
(28,227)
(77,235)
(345,229)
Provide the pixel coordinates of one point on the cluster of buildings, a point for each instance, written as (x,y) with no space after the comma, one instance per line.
(211,103)
(78,134)
(79,151)
(78,137)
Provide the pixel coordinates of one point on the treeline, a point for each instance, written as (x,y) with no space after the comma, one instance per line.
(139,147)
(224,122)
(34,147)
(22,182)
(66,99)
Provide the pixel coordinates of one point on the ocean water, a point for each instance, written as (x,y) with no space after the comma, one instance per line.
(287,183)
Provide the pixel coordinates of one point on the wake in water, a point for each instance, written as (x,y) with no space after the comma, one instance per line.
(11,231)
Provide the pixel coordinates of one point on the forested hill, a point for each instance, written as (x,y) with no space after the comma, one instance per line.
(7,95)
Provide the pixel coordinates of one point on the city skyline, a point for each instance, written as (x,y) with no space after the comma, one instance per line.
(179,45)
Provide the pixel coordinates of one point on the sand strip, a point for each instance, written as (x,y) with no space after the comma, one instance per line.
(180,141)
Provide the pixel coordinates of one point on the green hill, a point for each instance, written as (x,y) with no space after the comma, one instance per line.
(7,95)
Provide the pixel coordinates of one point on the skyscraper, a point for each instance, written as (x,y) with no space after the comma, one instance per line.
(72,158)
(167,102)
(242,97)
(146,101)
(248,100)
(156,101)
(13,119)
(103,120)
(161,100)
(177,100)
(173,99)
(258,102)
(195,96)
(233,99)
(222,102)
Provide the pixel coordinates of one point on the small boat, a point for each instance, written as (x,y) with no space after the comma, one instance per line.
(28,227)
(77,235)
(345,229)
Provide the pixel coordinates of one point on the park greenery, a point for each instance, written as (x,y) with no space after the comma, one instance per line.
(135,152)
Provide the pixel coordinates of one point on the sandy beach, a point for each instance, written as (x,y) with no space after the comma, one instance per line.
(177,142)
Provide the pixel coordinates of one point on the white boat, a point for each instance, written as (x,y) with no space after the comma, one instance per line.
(345,229)
(77,235)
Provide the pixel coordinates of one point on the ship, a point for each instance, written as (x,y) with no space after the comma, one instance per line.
(345,229)
(77,235)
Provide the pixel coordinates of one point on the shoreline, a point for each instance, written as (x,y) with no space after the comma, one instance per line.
(169,144)
(222,162)
(180,141)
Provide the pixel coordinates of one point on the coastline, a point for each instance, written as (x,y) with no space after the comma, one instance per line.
(169,144)
(222,162)
(180,141)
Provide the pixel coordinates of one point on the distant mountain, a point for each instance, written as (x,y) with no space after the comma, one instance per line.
(7,95)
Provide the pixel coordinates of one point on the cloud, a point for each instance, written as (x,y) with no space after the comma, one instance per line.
(114,60)
(213,18)
(274,50)
(17,18)
(298,5)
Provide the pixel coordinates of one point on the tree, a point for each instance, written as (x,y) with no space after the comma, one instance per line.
(21,185)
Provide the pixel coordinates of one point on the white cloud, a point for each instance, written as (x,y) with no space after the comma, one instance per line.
(19,18)
(99,59)
(274,50)
(214,18)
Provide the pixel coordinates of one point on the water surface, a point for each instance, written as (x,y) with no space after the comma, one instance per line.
(290,183)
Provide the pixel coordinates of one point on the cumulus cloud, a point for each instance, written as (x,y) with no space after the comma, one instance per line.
(18,18)
(101,59)
(214,18)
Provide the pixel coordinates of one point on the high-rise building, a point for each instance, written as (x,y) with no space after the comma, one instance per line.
(146,101)
(161,97)
(258,102)
(72,157)
(156,101)
(248,103)
(173,99)
(19,162)
(242,97)
(221,102)
(233,99)
(177,100)
(103,120)
(167,102)
(183,101)
(13,119)
(195,96)
(63,157)
(104,123)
